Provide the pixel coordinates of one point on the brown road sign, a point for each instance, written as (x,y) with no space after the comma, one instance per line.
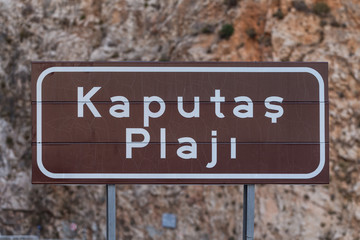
(179,123)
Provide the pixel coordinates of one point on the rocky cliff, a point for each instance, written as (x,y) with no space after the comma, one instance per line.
(180,30)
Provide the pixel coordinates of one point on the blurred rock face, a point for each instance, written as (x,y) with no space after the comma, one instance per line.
(151,30)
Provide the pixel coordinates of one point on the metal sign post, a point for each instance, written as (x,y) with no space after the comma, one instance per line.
(248,212)
(110,212)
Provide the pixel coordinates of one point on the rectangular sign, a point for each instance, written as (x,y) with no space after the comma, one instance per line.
(180,123)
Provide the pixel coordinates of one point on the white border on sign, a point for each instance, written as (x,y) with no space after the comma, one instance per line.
(181,175)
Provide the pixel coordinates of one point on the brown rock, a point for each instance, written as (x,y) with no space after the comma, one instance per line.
(153,30)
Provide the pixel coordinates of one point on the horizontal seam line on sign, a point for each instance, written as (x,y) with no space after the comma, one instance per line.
(174,101)
(290,143)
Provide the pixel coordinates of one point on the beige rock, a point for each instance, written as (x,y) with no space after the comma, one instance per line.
(152,30)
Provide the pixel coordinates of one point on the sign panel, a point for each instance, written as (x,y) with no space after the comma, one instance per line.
(180,123)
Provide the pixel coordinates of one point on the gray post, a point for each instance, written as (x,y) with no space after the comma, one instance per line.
(248,212)
(110,212)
